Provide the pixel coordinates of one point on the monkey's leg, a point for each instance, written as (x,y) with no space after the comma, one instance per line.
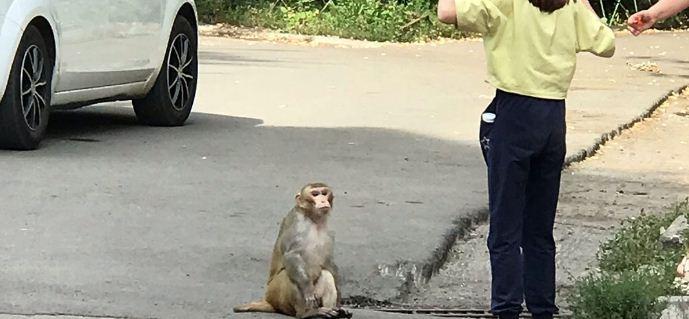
(286,298)
(326,291)
(283,294)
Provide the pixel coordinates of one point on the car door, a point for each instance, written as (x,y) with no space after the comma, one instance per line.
(105,42)
(137,27)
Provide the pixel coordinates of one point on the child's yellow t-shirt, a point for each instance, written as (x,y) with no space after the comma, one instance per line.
(530,52)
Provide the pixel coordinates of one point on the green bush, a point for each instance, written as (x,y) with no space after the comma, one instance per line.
(637,243)
(376,20)
(627,295)
(211,11)
(635,271)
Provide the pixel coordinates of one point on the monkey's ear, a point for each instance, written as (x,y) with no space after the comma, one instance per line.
(300,202)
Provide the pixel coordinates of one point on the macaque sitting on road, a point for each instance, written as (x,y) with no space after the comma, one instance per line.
(303,279)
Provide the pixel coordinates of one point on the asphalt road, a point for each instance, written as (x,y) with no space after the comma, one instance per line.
(110,218)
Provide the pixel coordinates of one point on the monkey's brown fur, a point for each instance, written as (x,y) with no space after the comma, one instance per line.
(303,279)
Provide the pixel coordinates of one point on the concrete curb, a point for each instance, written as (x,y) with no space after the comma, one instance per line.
(462,227)
(590,151)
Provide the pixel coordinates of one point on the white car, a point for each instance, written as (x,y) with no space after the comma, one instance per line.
(71,53)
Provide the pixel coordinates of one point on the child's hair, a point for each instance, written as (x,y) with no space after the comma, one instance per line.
(549,5)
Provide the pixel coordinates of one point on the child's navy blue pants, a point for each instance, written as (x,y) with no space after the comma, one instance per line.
(524,149)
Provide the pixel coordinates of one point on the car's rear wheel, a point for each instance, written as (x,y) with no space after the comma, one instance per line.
(170,100)
(25,107)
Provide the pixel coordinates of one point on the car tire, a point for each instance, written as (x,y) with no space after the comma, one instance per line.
(170,100)
(25,107)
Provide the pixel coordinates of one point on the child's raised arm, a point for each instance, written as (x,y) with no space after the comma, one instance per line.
(592,35)
(588,5)
(479,16)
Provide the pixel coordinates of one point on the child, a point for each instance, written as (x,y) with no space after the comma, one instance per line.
(531,48)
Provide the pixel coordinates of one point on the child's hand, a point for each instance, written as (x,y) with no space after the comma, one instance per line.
(640,21)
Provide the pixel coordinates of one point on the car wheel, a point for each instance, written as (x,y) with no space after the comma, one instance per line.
(170,100)
(25,107)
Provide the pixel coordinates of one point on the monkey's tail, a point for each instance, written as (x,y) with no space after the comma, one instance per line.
(257,306)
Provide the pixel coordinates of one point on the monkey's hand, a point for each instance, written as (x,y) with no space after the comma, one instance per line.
(311,300)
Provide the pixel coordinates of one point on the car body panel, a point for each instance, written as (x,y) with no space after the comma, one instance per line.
(8,31)
(17,14)
(109,52)
(106,44)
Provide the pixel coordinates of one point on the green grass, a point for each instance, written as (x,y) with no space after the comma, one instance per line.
(626,295)
(635,270)
(637,243)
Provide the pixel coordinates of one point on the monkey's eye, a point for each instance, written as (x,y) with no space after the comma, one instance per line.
(315,193)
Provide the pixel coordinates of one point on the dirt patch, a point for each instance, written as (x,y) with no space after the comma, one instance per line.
(259,34)
(643,170)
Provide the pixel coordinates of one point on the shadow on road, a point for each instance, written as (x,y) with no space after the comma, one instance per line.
(218,58)
(83,125)
(113,218)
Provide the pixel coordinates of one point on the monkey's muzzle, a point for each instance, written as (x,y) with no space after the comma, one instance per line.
(323,205)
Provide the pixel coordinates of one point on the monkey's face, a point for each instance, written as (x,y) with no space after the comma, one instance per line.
(321,198)
(316,200)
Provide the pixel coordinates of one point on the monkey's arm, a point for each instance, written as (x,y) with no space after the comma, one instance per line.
(276,260)
(295,266)
(275,263)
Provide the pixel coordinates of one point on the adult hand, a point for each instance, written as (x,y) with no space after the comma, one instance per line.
(641,21)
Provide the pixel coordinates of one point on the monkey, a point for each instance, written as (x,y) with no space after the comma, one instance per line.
(303,280)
